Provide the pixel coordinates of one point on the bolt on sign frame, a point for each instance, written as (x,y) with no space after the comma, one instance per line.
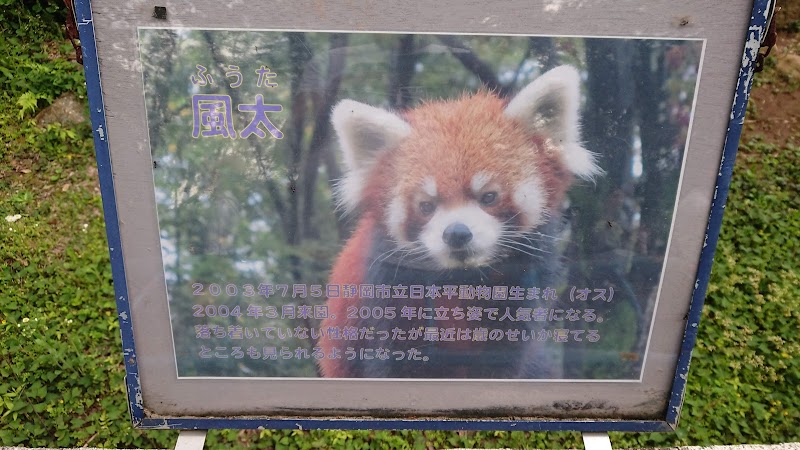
(218,130)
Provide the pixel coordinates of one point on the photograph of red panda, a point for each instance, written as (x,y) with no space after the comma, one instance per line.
(415,206)
(456,193)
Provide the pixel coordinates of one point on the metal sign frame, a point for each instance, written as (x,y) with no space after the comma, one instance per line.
(143,415)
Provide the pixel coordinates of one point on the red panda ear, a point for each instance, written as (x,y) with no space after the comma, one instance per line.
(550,106)
(363,131)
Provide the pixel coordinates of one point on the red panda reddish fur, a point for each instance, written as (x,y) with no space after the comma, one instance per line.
(448,148)
(469,135)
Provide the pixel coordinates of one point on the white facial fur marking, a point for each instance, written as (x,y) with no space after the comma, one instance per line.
(395,218)
(429,186)
(479,181)
(482,248)
(531,199)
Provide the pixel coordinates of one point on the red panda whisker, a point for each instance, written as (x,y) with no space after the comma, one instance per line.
(416,251)
(525,238)
(532,247)
(421,251)
(511,218)
(382,257)
(533,235)
(547,236)
(516,235)
(520,250)
(530,240)
(388,254)
(483,275)
(417,259)
(493,268)
(399,263)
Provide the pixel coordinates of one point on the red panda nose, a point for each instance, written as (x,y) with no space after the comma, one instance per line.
(457,235)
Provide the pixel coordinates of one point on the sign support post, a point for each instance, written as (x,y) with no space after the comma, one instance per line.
(596,441)
(192,440)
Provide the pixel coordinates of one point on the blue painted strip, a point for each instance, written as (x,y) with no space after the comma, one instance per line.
(755,33)
(83,16)
(386,424)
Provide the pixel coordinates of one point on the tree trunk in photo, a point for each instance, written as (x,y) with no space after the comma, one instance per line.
(607,128)
(545,50)
(322,126)
(657,135)
(608,123)
(299,54)
(482,70)
(404,59)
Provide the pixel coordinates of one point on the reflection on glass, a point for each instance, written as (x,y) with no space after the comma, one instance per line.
(250,150)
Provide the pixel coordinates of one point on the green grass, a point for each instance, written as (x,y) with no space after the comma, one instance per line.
(61,373)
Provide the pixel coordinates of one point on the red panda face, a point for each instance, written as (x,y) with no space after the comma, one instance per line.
(472,225)
(466,181)
(463,183)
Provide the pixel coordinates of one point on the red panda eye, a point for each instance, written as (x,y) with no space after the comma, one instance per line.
(427,207)
(488,198)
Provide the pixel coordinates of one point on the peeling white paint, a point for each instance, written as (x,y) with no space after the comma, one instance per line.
(752,45)
(554,6)
(234,4)
(164,425)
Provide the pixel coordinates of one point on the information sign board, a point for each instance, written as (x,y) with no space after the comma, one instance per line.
(339,215)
